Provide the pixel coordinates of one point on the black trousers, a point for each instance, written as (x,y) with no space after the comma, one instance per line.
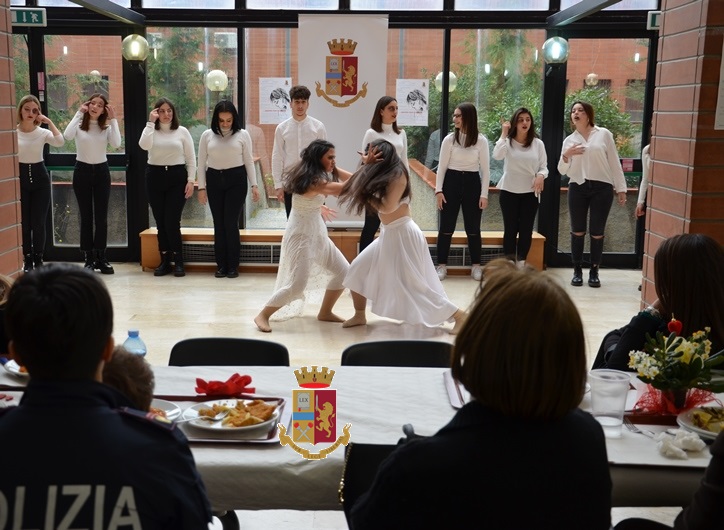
(92,187)
(592,198)
(461,189)
(288,203)
(519,210)
(372,224)
(166,187)
(226,190)
(34,205)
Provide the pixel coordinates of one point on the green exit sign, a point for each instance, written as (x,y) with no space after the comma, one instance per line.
(28,16)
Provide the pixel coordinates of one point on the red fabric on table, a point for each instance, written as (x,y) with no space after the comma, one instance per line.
(236,384)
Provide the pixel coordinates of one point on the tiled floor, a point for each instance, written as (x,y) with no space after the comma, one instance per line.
(169,309)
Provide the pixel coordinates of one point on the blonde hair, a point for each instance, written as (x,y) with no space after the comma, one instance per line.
(25,99)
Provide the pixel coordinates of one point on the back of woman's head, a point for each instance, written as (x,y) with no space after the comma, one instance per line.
(688,272)
(521,351)
(367,187)
(225,106)
(309,170)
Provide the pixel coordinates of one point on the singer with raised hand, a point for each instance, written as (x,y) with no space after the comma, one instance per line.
(525,168)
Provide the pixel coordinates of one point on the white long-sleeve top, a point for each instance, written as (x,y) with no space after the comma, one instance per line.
(473,158)
(521,165)
(91,145)
(598,162)
(398,141)
(645,170)
(31,144)
(290,138)
(167,147)
(224,152)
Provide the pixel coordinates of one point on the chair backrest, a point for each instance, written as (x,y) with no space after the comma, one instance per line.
(420,353)
(226,351)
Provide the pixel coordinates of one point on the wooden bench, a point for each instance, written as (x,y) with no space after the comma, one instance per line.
(268,241)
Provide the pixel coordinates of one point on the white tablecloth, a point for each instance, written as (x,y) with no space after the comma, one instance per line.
(377,402)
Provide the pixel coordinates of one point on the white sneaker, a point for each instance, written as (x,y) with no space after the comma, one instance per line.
(477,273)
(441,272)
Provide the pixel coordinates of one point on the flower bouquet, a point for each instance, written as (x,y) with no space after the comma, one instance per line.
(677,369)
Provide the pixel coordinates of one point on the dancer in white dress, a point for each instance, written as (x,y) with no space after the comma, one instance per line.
(395,271)
(309,260)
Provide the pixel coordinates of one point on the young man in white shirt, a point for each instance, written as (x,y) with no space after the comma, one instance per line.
(291,137)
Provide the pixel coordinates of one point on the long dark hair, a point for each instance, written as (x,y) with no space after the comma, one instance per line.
(376,123)
(225,106)
(514,127)
(174,119)
(688,269)
(85,122)
(309,171)
(368,186)
(469,117)
(589,111)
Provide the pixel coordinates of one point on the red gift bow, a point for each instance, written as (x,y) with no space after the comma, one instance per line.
(236,384)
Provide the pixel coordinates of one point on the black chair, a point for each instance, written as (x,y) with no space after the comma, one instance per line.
(420,353)
(226,351)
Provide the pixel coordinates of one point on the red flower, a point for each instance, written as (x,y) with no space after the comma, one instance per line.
(675,326)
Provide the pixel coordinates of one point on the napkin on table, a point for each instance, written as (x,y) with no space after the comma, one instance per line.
(236,384)
(677,446)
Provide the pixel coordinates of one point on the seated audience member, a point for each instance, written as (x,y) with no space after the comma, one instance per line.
(5,285)
(521,454)
(706,511)
(688,272)
(132,376)
(94,463)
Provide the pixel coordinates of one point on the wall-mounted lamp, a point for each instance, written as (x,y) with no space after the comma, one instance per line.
(555,50)
(592,79)
(452,81)
(135,48)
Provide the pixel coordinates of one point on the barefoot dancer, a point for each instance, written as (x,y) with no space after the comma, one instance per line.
(395,271)
(309,260)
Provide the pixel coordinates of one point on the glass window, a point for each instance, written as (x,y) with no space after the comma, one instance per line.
(17,2)
(66,3)
(501,5)
(623,5)
(179,60)
(610,74)
(292,4)
(21,66)
(396,5)
(189,4)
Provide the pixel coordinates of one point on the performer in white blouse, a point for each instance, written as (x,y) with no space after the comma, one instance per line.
(382,127)
(291,137)
(34,178)
(525,167)
(225,171)
(93,128)
(170,176)
(463,177)
(590,159)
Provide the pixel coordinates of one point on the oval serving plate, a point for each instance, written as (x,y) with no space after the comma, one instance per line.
(218,426)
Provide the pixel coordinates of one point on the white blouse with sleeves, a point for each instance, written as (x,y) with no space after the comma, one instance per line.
(225,151)
(474,158)
(598,162)
(521,164)
(167,147)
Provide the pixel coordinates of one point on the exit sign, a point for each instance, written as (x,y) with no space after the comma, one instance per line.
(653,20)
(28,16)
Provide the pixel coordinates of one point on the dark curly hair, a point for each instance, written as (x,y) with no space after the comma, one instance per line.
(309,171)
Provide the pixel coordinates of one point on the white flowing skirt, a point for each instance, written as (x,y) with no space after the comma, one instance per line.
(397,276)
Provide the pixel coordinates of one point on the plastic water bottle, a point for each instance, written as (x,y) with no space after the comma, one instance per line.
(134,344)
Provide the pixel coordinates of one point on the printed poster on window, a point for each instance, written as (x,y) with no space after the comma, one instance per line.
(412,98)
(274,101)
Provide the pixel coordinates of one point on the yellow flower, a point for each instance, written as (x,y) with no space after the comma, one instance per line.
(687,350)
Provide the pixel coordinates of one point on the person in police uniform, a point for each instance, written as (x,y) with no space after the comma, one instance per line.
(75,455)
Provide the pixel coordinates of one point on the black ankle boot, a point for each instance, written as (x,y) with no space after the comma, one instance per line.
(38,260)
(577,279)
(102,263)
(28,263)
(593,280)
(178,265)
(165,267)
(89,261)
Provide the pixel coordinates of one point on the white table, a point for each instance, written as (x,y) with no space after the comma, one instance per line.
(377,402)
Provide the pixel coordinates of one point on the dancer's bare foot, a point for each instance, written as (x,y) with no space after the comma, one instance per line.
(329,317)
(359,319)
(262,323)
(459,317)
